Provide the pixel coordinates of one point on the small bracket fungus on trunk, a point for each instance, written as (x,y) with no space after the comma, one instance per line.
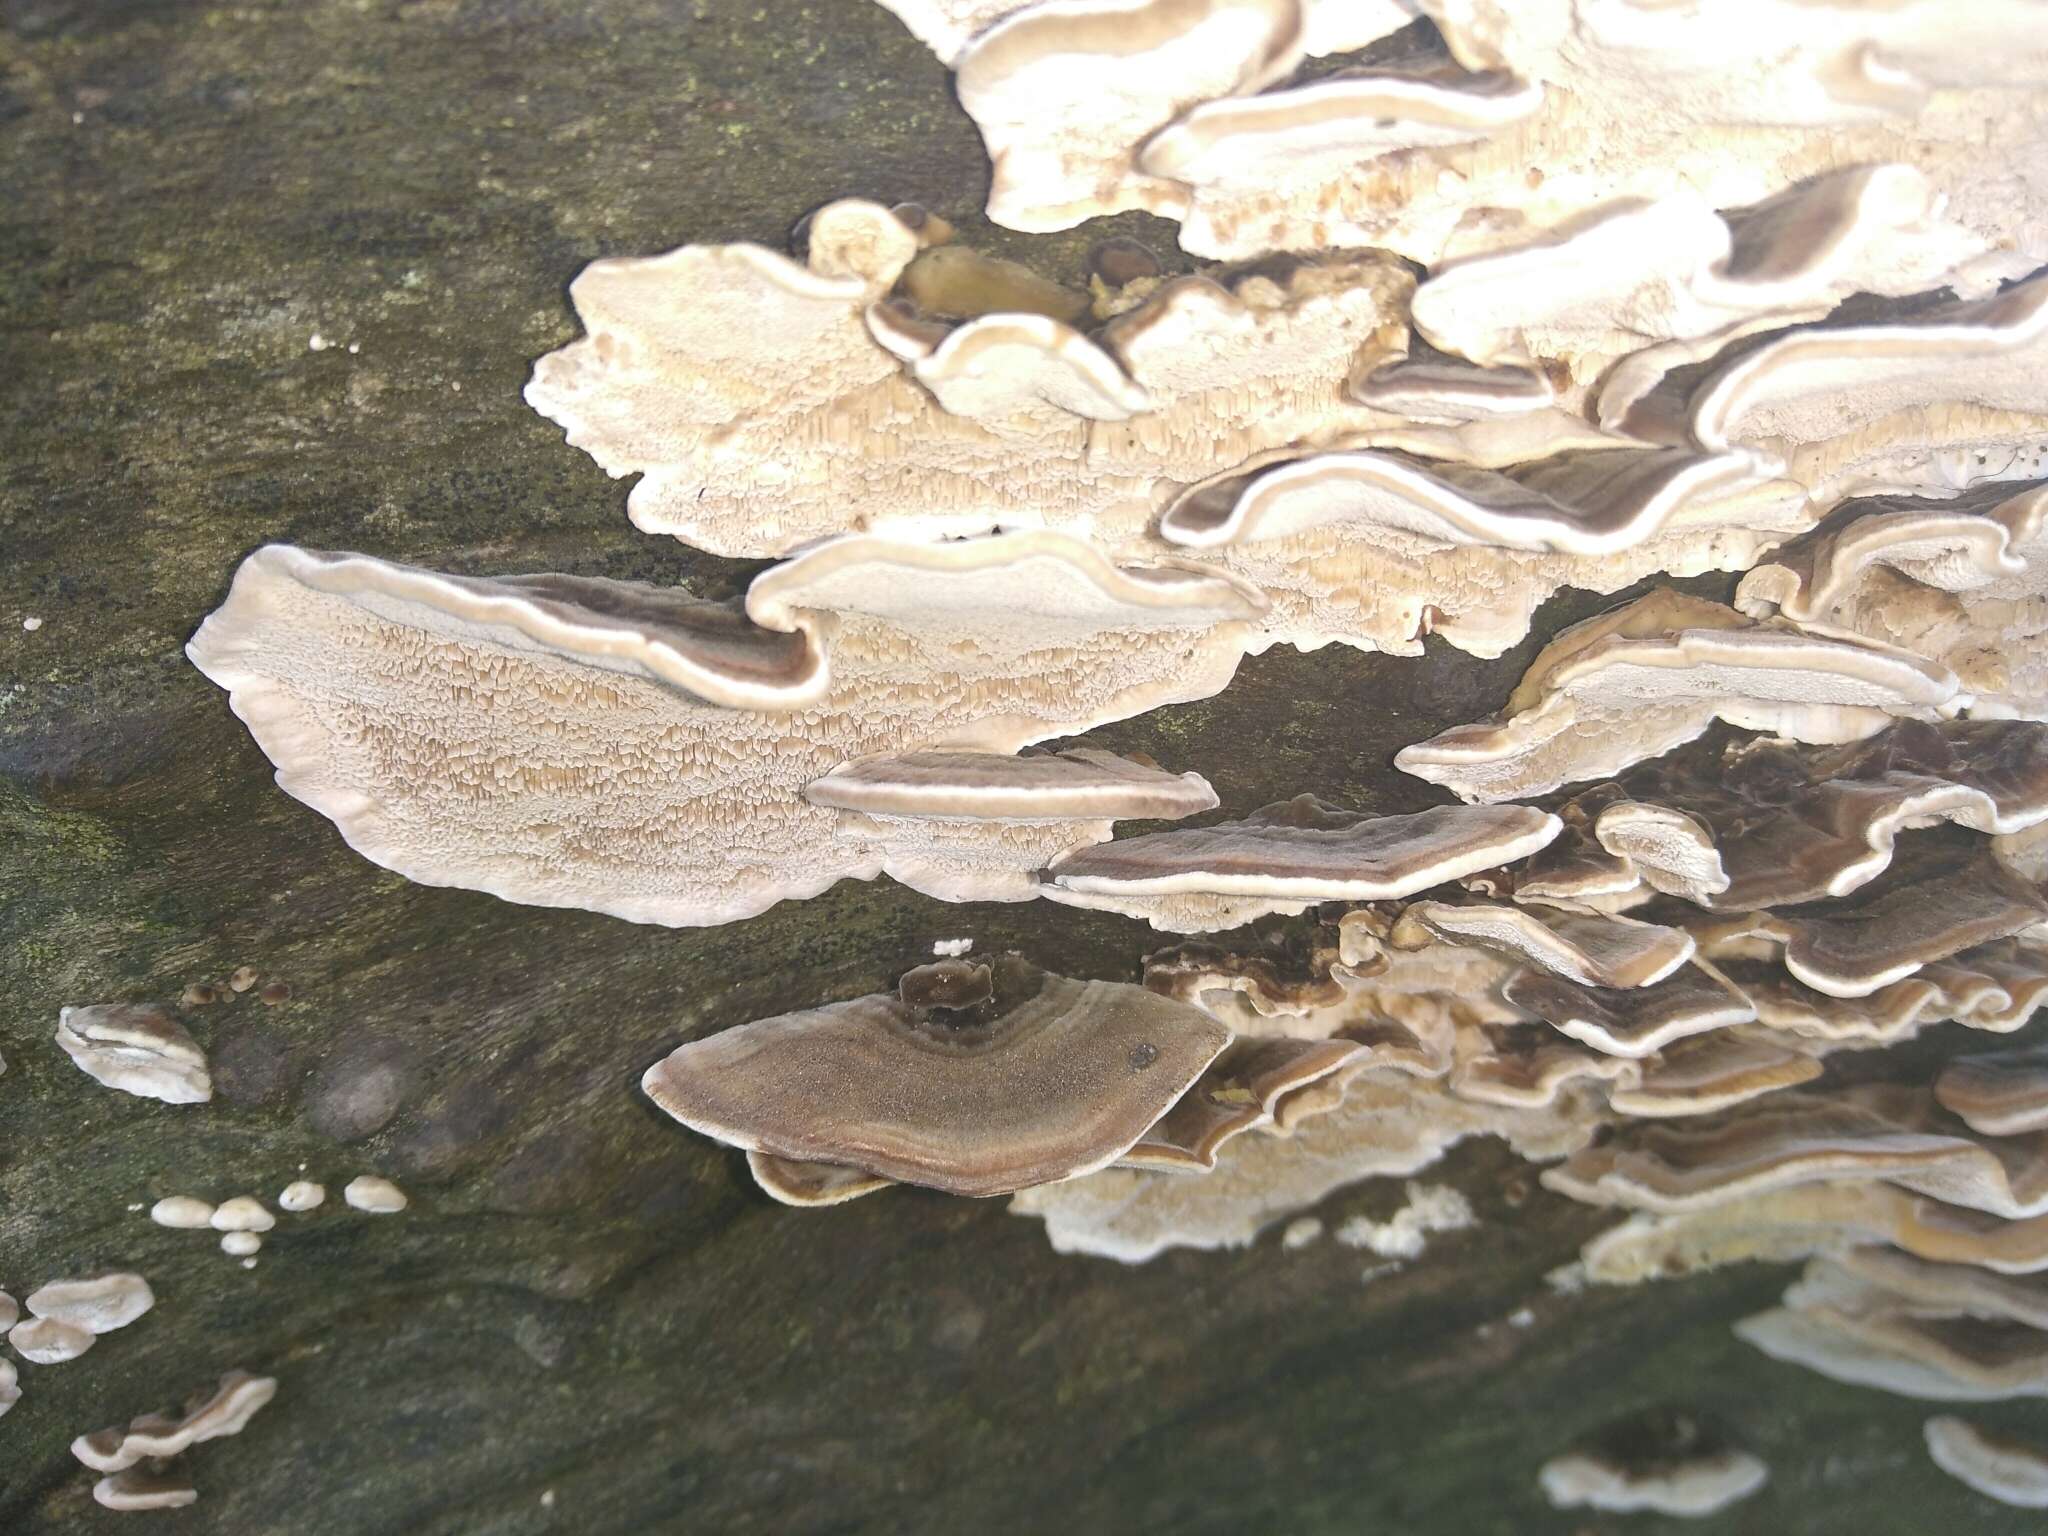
(99,1305)
(2001,1467)
(641,727)
(1286,857)
(1655,673)
(138,1048)
(1049,1079)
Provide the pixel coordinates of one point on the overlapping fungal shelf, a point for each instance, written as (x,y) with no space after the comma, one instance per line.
(1729,291)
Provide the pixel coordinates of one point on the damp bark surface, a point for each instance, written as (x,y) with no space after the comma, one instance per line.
(588,1320)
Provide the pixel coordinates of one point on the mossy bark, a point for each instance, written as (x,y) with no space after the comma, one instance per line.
(588,1321)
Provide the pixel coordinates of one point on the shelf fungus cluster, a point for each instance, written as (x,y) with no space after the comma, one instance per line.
(142,1465)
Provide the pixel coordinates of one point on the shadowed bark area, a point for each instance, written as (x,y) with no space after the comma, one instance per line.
(589,1321)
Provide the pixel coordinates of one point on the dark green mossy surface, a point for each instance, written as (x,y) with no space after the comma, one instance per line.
(584,1300)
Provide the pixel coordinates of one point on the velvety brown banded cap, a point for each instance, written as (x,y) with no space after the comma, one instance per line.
(1631,1021)
(2002,1467)
(1709,1073)
(2000,1093)
(1589,948)
(1082,784)
(1935,900)
(1243,1089)
(1052,1078)
(810,1184)
(1792,825)
(1305,850)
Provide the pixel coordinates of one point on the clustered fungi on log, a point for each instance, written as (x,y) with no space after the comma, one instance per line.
(1771,839)
(142,1462)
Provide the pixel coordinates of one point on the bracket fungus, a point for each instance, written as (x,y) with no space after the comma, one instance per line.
(49,1340)
(1939,902)
(1686,1486)
(1764,824)
(1656,283)
(1999,1093)
(1631,1021)
(138,1048)
(1936,403)
(1963,581)
(2001,1467)
(1049,1079)
(639,752)
(1376,548)
(227,1410)
(767,403)
(1285,857)
(1593,950)
(1492,122)
(1656,673)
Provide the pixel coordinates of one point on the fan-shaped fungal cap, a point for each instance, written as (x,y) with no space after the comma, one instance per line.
(551,779)
(1709,1073)
(137,1048)
(1242,1090)
(49,1340)
(99,1305)
(1931,903)
(1052,1078)
(1107,74)
(1429,386)
(1959,580)
(1529,1068)
(810,1184)
(155,1436)
(766,413)
(10,1393)
(1291,142)
(137,1488)
(2000,1093)
(2000,1467)
(1992,987)
(1890,407)
(1660,282)
(1832,1216)
(1593,950)
(1083,783)
(1657,672)
(1796,1137)
(301,1195)
(1305,850)
(1389,1123)
(373,1195)
(1631,1021)
(1761,824)
(1855,1329)
(1701,1485)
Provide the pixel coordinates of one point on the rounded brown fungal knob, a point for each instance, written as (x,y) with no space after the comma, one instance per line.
(929,228)
(1049,1078)
(1120,260)
(244,978)
(945,984)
